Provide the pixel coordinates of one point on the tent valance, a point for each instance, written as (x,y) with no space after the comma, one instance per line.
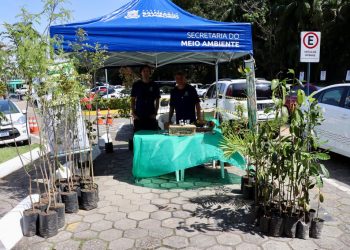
(158,32)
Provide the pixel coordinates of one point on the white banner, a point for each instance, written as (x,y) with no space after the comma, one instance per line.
(301,76)
(347,78)
(323,75)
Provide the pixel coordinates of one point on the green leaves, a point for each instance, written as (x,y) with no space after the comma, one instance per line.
(274,84)
(300,97)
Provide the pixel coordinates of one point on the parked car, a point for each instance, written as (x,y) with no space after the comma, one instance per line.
(22,91)
(233,93)
(98,89)
(15,131)
(291,99)
(334,101)
(112,93)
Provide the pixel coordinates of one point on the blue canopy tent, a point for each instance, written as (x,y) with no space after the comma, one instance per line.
(158,32)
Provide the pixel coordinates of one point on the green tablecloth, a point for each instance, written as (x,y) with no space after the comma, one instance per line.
(157,154)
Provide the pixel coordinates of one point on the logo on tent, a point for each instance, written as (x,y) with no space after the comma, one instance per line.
(132,14)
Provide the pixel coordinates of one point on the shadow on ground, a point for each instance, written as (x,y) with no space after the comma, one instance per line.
(339,168)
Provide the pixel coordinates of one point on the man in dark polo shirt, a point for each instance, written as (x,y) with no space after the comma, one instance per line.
(145,97)
(184,100)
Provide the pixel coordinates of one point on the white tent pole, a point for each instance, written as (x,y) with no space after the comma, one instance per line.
(106,73)
(217,89)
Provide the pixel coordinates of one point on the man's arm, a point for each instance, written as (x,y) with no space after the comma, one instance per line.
(133,107)
(171,113)
(199,114)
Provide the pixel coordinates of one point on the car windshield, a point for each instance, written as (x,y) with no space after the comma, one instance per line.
(263,90)
(295,89)
(7,107)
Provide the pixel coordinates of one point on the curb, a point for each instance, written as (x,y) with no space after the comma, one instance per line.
(10,224)
(14,164)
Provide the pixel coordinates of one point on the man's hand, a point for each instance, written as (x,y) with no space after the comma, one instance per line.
(134,116)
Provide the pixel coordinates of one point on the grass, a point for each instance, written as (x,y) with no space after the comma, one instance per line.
(9,152)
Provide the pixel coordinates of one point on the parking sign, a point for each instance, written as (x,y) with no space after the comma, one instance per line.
(310,46)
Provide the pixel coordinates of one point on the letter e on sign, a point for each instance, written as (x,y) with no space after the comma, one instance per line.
(310,46)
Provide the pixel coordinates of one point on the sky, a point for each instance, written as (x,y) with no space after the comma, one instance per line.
(81,9)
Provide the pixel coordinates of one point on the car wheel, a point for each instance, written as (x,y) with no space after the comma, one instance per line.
(26,142)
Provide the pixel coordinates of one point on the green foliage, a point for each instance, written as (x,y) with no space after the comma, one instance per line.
(121,104)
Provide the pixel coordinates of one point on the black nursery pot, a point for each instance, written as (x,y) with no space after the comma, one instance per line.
(30,222)
(316,228)
(70,201)
(109,147)
(310,216)
(276,226)
(48,224)
(42,206)
(264,224)
(302,230)
(248,192)
(60,210)
(244,181)
(88,199)
(290,226)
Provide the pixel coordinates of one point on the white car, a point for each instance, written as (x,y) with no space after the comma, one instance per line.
(15,131)
(233,93)
(334,101)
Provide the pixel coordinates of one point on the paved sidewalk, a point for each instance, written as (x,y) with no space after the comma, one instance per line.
(135,217)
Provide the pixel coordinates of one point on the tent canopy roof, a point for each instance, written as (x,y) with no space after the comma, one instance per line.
(158,32)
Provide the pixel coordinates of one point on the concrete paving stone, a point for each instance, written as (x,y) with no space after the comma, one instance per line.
(68,245)
(176,242)
(344,208)
(182,214)
(172,207)
(164,248)
(159,191)
(275,245)
(103,203)
(106,192)
(114,197)
(41,246)
(101,225)
(140,202)
(206,192)
(345,217)
(61,236)
(133,197)
(150,196)
(93,218)
(180,200)
(329,243)
(189,194)
(186,232)
(173,222)
(121,244)
(149,224)
(195,221)
(169,185)
(160,215)
(192,248)
(331,231)
(247,246)
(135,233)
(229,239)
(160,201)
(125,224)
(86,212)
(160,232)
(189,207)
(345,238)
(298,244)
(94,244)
(282,239)
(220,248)
(84,235)
(202,241)
(138,215)
(345,201)
(345,228)
(115,216)
(110,183)
(149,208)
(169,195)
(71,218)
(108,209)
(254,238)
(128,208)
(77,227)
(111,234)
(148,243)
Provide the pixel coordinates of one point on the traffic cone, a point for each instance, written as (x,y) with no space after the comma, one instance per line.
(35,126)
(109,120)
(99,118)
(30,124)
